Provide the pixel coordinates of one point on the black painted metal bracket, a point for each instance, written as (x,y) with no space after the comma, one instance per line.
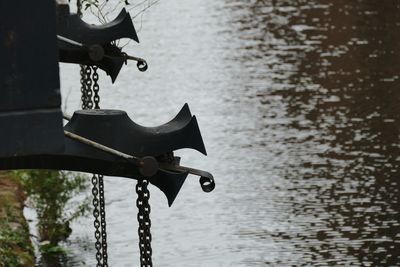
(77,53)
(115,130)
(86,44)
(126,136)
(73,27)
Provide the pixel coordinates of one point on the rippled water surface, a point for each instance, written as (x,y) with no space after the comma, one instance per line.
(298,103)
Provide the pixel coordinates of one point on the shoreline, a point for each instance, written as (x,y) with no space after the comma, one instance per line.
(16,248)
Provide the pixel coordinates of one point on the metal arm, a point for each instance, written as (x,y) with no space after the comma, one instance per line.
(207,182)
(96,53)
(148,166)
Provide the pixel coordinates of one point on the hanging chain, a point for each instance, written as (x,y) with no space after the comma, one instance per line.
(83,87)
(91,99)
(90,88)
(100,178)
(88,84)
(96,88)
(100,232)
(144,221)
(103,221)
(96,223)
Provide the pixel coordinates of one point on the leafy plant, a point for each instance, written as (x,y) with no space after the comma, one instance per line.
(51,193)
(15,247)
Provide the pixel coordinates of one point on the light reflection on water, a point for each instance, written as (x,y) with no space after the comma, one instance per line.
(298,105)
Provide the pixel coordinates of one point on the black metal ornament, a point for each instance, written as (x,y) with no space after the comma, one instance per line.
(126,136)
(73,27)
(86,44)
(107,57)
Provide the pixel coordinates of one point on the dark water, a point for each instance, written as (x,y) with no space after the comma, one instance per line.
(298,102)
(336,77)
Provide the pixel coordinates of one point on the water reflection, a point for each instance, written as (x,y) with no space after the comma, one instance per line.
(336,73)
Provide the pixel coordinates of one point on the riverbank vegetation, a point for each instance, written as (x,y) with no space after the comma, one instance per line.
(16,249)
(51,194)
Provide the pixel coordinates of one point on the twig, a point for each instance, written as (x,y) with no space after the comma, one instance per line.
(144,9)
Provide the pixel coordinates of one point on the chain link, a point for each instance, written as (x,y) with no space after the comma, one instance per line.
(96,88)
(83,87)
(144,221)
(96,223)
(103,221)
(89,84)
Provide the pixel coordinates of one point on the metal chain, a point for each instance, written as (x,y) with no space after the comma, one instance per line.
(144,221)
(96,223)
(79,8)
(97,180)
(96,88)
(103,221)
(83,87)
(88,91)
(89,84)
(100,178)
